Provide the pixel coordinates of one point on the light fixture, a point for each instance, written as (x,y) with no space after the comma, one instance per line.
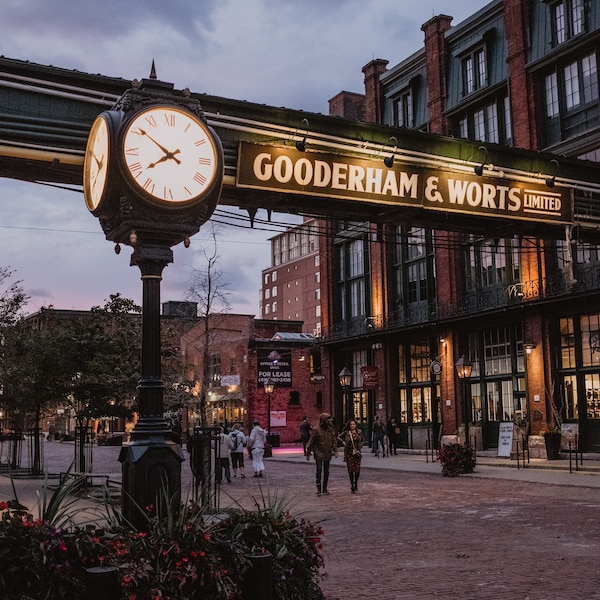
(463,370)
(302,358)
(463,367)
(388,161)
(442,340)
(301,144)
(345,376)
(479,168)
(269,386)
(550,181)
(529,348)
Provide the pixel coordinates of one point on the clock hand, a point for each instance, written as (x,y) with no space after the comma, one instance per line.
(153,140)
(167,156)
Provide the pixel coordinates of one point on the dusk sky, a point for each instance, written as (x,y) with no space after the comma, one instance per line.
(291,53)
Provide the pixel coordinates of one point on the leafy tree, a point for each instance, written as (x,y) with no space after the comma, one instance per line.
(12,298)
(35,375)
(105,359)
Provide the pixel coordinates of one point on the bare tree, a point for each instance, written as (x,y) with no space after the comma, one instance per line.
(209,291)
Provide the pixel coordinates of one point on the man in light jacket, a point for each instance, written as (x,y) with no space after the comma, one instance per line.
(256,442)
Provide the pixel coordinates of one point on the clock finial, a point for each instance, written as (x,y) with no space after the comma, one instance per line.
(153,71)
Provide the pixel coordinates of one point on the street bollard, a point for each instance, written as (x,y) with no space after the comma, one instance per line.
(259,577)
(101,583)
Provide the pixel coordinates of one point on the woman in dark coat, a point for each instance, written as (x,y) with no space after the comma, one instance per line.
(352,438)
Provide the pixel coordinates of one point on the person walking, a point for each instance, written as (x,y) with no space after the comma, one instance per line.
(237,445)
(304,432)
(378,435)
(323,444)
(352,438)
(256,443)
(393,432)
(222,457)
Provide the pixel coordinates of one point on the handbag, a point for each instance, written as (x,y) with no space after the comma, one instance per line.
(355,450)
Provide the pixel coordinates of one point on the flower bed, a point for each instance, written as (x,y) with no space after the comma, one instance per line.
(187,555)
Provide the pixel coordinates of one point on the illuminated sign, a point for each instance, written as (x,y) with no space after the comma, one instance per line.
(282,168)
(279,372)
(370,378)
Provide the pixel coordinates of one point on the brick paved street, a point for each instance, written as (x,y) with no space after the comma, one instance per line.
(417,535)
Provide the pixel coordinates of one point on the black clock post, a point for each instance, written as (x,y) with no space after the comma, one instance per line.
(152,203)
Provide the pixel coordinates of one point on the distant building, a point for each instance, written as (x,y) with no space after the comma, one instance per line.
(291,286)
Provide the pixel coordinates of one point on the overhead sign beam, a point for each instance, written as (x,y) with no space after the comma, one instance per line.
(341,175)
(284,169)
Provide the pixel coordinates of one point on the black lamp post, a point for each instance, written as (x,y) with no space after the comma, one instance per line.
(463,370)
(151,210)
(345,376)
(269,387)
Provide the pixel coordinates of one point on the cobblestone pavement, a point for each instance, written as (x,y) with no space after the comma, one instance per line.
(413,535)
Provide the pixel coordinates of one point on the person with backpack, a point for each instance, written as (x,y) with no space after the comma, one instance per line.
(305,432)
(237,443)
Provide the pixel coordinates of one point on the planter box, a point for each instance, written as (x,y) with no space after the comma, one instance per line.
(552,442)
(537,446)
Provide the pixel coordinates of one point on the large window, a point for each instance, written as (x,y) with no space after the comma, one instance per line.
(571,98)
(414,272)
(492,262)
(416,386)
(488,123)
(353,279)
(567,20)
(497,382)
(580,367)
(474,71)
(404,110)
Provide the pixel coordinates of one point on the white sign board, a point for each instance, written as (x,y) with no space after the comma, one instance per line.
(505,439)
(278,418)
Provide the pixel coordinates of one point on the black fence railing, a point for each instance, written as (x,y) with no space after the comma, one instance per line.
(583,279)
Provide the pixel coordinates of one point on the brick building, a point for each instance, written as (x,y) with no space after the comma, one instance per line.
(406,302)
(291,286)
(244,352)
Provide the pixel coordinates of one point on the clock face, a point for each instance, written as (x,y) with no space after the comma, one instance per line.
(170,155)
(95,166)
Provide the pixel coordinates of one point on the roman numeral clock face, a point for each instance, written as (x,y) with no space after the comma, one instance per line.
(170,155)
